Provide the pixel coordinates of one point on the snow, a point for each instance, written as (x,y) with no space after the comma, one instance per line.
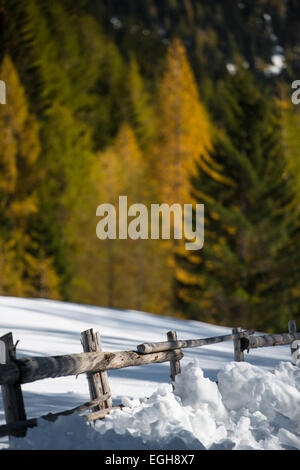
(256,404)
(232,68)
(249,409)
(116,22)
(278,64)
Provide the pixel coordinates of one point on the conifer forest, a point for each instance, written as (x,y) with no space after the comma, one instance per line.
(164,101)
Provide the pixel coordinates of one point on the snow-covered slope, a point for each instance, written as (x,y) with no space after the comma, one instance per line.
(49,328)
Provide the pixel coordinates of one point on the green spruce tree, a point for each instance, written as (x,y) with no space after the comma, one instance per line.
(247,274)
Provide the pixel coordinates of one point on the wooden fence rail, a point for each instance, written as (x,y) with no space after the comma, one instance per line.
(248,342)
(94,362)
(30,369)
(18,428)
(253,342)
(147,348)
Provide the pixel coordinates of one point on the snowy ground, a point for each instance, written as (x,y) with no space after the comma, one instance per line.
(254,407)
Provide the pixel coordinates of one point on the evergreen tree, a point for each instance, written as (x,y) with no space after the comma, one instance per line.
(141,110)
(74,77)
(247,274)
(290,125)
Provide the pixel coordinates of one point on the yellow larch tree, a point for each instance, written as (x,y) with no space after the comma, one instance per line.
(122,273)
(185,130)
(24,271)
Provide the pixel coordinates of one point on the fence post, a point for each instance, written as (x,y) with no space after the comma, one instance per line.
(238,352)
(98,381)
(174,365)
(293,329)
(12,396)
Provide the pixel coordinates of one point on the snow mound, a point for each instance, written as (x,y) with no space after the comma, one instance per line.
(249,408)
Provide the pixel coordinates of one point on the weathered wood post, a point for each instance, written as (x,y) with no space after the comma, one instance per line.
(98,381)
(293,330)
(12,396)
(174,365)
(238,352)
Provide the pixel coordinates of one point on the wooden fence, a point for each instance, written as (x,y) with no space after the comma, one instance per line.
(95,363)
